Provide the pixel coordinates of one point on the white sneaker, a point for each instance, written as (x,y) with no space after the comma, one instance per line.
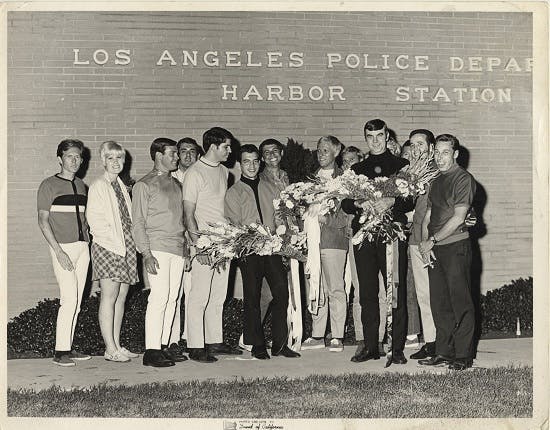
(128,353)
(412,342)
(243,345)
(336,345)
(311,343)
(116,356)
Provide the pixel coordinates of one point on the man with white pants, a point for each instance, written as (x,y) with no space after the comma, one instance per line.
(188,151)
(61,203)
(157,212)
(204,191)
(422,145)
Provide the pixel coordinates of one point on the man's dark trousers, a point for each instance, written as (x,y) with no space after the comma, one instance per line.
(370,258)
(253,269)
(451,299)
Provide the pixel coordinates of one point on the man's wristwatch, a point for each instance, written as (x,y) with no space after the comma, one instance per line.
(433,240)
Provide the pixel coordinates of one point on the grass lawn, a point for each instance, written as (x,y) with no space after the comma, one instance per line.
(498,392)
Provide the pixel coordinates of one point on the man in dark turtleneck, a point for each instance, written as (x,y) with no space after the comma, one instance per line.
(371,256)
(250,201)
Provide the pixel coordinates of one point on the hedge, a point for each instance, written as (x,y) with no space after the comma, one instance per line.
(32,333)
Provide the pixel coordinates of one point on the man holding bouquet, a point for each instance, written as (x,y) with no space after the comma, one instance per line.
(446,238)
(370,257)
(248,201)
(204,191)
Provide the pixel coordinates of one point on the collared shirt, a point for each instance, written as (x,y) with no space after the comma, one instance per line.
(179,174)
(453,188)
(66,201)
(270,189)
(157,213)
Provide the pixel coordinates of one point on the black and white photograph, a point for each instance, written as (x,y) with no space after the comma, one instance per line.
(275,215)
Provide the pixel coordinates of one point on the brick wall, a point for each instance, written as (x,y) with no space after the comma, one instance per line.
(51,98)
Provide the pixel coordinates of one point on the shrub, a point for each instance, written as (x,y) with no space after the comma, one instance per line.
(32,333)
(500,308)
(299,163)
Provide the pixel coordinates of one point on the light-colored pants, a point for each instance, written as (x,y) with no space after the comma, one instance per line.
(71,287)
(204,307)
(161,306)
(175,334)
(333,262)
(422,286)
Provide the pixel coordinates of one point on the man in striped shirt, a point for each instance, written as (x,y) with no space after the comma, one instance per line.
(61,203)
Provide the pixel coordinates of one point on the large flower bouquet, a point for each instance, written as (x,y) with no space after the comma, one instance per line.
(224,242)
(326,195)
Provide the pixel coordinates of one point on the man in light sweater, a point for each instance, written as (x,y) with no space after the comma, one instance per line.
(204,193)
(159,236)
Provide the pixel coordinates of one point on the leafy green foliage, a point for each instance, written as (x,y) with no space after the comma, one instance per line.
(299,163)
(32,333)
(500,308)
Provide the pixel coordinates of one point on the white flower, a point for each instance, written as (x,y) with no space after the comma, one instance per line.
(276,203)
(203,242)
(402,186)
(280,230)
(219,230)
(289,204)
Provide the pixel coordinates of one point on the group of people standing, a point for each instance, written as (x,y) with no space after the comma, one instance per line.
(187,189)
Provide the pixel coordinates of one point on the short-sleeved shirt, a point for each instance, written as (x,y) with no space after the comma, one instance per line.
(453,188)
(65,200)
(205,185)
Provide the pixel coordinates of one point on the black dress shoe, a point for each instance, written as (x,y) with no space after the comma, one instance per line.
(174,355)
(285,351)
(260,352)
(155,358)
(427,350)
(461,364)
(222,349)
(201,355)
(365,355)
(435,361)
(398,358)
(381,350)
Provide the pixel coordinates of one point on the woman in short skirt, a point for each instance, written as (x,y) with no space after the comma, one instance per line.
(113,250)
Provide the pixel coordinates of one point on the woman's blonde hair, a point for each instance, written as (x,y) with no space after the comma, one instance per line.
(110,147)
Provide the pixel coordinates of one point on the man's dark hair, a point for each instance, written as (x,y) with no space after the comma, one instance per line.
(190,141)
(427,133)
(215,136)
(159,145)
(373,125)
(352,149)
(450,139)
(406,144)
(69,143)
(275,142)
(250,149)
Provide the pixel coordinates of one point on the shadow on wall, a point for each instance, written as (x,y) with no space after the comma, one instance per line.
(86,157)
(478,231)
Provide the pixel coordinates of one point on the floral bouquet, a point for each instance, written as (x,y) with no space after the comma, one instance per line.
(224,242)
(329,193)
